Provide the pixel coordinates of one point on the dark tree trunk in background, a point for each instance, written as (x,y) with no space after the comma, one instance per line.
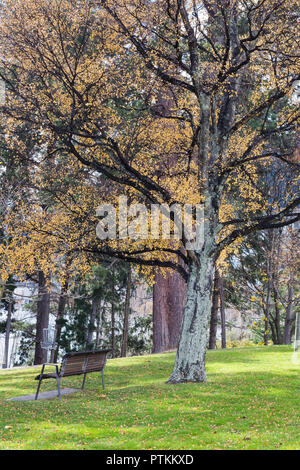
(169,290)
(43,308)
(7,332)
(98,322)
(212,344)
(268,298)
(169,294)
(126,316)
(60,315)
(289,317)
(276,330)
(297,332)
(113,314)
(91,326)
(222,310)
(113,328)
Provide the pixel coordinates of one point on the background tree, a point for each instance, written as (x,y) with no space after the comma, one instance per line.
(229,64)
(262,283)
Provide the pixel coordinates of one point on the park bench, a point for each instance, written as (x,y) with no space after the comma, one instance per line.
(76,363)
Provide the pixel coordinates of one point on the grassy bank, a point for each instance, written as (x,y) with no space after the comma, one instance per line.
(251,401)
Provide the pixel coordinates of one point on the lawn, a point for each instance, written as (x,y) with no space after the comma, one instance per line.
(251,401)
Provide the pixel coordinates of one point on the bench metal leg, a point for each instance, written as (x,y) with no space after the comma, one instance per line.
(40,381)
(102,374)
(38,389)
(58,387)
(82,386)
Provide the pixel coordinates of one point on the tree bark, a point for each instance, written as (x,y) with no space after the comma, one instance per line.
(223,313)
(113,328)
(277,329)
(113,314)
(7,332)
(190,360)
(169,293)
(268,301)
(289,318)
(124,345)
(60,315)
(214,314)
(91,325)
(297,332)
(43,309)
(98,322)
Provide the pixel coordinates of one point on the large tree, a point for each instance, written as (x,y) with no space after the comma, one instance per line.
(89,78)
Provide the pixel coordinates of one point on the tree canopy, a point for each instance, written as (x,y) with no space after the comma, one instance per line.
(165,102)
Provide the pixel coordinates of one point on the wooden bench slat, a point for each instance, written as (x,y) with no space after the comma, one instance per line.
(81,363)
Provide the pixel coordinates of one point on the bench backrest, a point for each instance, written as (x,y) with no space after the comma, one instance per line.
(83,362)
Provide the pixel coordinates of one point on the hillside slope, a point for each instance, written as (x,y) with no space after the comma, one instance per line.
(251,401)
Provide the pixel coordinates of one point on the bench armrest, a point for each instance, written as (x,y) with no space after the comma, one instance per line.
(50,364)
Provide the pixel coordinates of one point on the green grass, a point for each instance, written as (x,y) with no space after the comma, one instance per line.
(251,401)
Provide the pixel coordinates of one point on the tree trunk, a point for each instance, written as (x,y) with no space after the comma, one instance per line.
(113,328)
(297,332)
(289,318)
(60,315)
(193,341)
(214,314)
(277,329)
(43,308)
(113,314)
(169,293)
(190,360)
(124,345)
(98,323)
(91,325)
(223,313)
(7,333)
(268,297)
